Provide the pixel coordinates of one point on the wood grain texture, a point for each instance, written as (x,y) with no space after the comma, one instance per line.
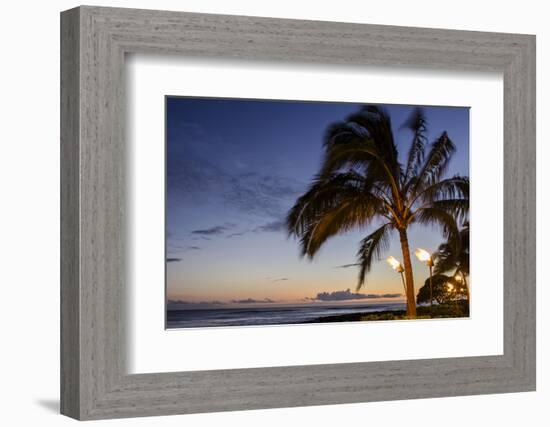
(95,383)
(70,297)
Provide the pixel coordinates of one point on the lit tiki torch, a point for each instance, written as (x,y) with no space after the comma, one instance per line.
(398,268)
(425,257)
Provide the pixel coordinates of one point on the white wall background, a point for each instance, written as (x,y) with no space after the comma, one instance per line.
(29,213)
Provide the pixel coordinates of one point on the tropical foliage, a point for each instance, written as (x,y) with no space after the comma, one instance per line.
(454,256)
(445,289)
(362,184)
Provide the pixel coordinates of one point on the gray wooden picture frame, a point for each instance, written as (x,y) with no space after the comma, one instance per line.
(94,382)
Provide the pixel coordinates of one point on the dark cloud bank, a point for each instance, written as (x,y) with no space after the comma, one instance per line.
(178,303)
(252,301)
(219,230)
(213,231)
(348,295)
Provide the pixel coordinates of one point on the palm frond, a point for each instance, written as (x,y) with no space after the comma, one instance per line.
(444,259)
(456,187)
(323,194)
(457,208)
(371,248)
(435,216)
(331,206)
(454,254)
(416,123)
(437,160)
(343,133)
(351,213)
(361,156)
(376,122)
(365,142)
(465,235)
(354,155)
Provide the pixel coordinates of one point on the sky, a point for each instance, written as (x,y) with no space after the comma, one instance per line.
(234,169)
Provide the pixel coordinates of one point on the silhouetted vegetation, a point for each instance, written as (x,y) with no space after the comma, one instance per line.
(445,289)
(458,308)
(454,256)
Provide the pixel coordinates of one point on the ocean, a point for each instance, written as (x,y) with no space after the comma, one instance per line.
(280,315)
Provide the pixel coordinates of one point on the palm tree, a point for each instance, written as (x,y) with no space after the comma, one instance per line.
(455,256)
(362,183)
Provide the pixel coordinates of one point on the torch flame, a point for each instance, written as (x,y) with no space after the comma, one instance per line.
(396,265)
(423,255)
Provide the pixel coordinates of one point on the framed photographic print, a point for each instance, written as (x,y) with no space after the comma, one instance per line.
(270,169)
(311,200)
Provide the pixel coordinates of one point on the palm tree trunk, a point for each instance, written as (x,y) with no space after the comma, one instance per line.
(411,302)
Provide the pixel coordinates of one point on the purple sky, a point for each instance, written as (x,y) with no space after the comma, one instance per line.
(235,167)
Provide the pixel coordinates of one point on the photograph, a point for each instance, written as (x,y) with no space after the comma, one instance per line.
(284,212)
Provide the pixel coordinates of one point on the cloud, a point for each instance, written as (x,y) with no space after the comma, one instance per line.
(252,301)
(240,233)
(282,279)
(212,231)
(347,265)
(173,259)
(182,303)
(348,295)
(265,194)
(179,303)
(204,168)
(270,227)
(175,250)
